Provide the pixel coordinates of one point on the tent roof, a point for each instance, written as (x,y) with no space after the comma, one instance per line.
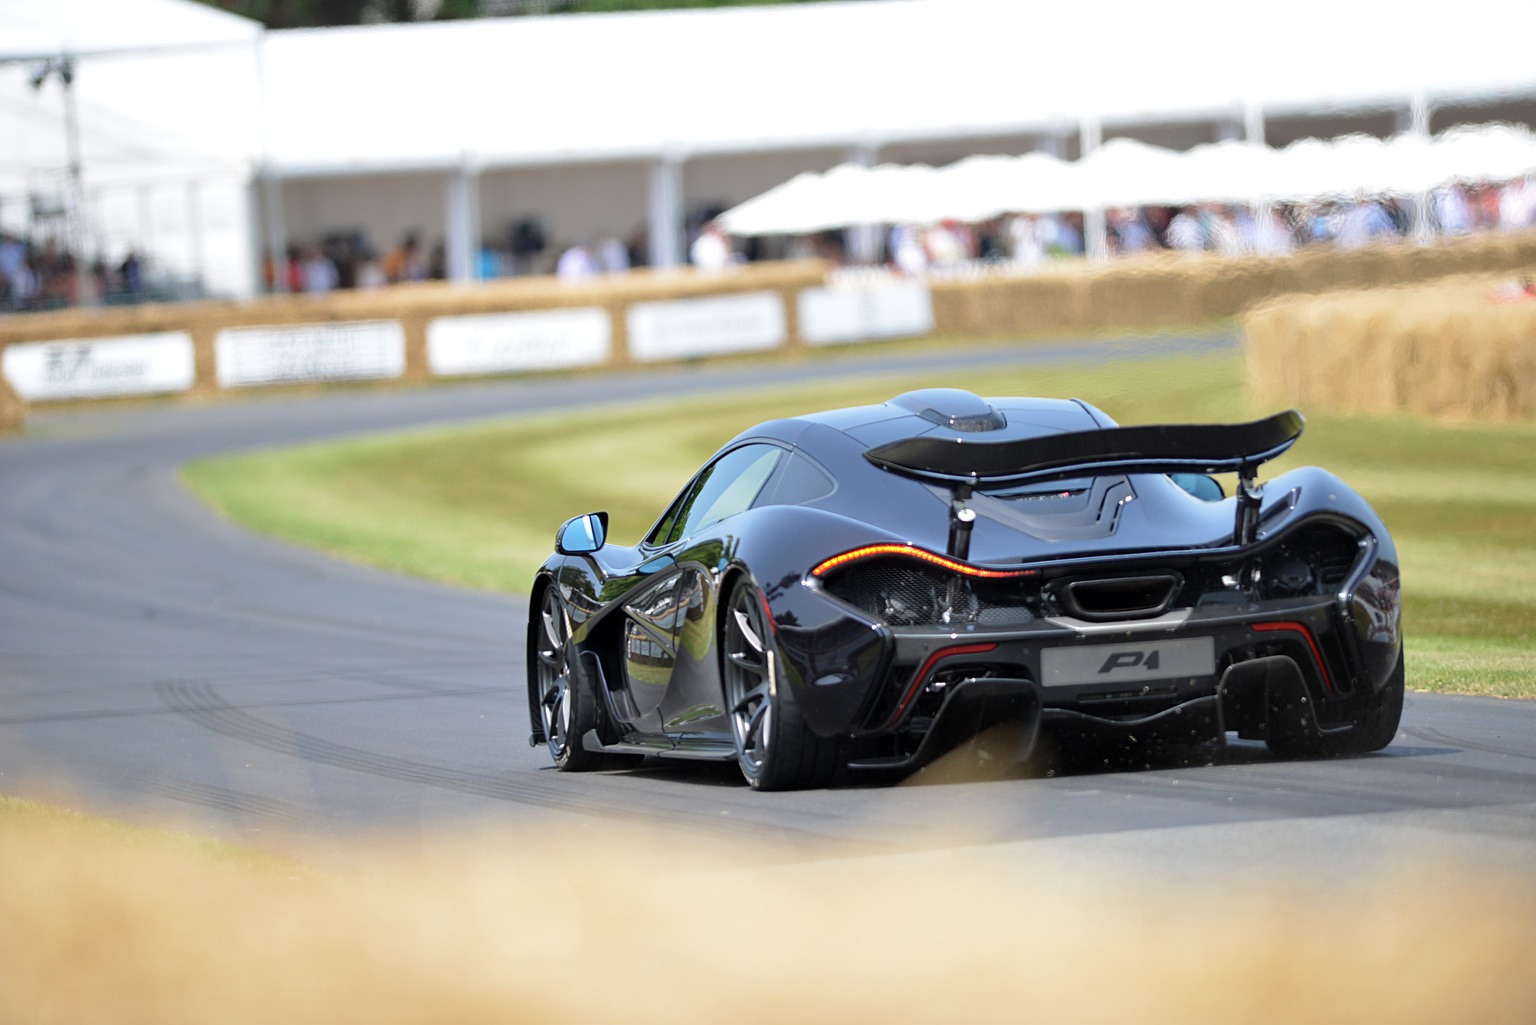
(580,88)
(502,92)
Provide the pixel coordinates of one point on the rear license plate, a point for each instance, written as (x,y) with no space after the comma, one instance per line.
(1130,662)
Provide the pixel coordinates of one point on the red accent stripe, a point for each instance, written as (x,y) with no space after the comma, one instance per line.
(922,674)
(1300,628)
(914,552)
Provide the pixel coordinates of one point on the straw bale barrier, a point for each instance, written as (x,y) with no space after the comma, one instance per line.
(1164,290)
(1461,348)
(12,410)
(1132,294)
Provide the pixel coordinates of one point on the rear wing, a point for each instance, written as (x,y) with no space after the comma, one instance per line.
(1192,448)
(964,465)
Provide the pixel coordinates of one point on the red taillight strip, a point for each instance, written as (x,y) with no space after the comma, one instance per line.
(1301,628)
(922,674)
(918,553)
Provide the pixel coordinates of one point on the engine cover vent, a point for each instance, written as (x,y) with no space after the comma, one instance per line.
(955,408)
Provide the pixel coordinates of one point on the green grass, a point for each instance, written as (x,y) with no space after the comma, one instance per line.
(479,505)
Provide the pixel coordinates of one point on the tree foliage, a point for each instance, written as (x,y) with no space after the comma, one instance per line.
(316,13)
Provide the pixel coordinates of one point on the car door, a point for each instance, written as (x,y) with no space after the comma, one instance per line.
(692,703)
(668,630)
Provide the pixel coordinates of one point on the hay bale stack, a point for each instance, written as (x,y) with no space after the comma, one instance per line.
(1460,348)
(1162,290)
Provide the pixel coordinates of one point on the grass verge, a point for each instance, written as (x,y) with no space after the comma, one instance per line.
(478,505)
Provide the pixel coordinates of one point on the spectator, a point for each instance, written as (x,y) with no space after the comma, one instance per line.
(405,262)
(370,270)
(1361,222)
(906,247)
(1024,243)
(612,255)
(320,274)
(711,251)
(131,270)
(1452,211)
(1185,232)
(576,264)
(1517,204)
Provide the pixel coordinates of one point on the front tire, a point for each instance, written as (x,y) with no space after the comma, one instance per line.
(774,747)
(567,708)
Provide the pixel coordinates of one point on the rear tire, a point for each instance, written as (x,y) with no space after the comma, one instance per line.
(774,747)
(1378,726)
(1373,730)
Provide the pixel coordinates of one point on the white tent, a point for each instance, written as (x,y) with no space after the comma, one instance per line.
(147,120)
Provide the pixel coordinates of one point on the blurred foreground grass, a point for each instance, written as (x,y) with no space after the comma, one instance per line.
(105,923)
(478,505)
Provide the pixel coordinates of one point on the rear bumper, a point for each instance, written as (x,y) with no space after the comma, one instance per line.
(1258,654)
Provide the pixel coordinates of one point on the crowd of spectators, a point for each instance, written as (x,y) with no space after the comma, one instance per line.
(347,260)
(47,276)
(1029,239)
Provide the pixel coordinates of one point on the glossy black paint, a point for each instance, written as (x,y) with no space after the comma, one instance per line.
(646,634)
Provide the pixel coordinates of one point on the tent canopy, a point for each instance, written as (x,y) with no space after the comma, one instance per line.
(1126,173)
(575,88)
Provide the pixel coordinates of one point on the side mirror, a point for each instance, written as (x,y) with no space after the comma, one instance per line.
(582,535)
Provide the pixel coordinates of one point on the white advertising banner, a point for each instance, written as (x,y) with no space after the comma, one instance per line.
(684,328)
(343,351)
(490,343)
(831,316)
(79,368)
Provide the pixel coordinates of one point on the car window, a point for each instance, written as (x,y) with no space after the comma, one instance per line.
(725,488)
(800,481)
(658,534)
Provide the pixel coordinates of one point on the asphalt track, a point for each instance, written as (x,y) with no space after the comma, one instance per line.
(155,660)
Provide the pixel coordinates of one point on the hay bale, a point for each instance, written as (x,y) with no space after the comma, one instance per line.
(1457,349)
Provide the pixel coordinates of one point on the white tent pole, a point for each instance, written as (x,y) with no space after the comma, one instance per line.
(77,228)
(146,223)
(863,239)
(272,185)
(1095,230)
(1253,123)
(461,221)
(1253,134)
(195,233)
(1418,125)
(666,220)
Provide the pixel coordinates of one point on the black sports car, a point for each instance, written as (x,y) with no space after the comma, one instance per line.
(868,587)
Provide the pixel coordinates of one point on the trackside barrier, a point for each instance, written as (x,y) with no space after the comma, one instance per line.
(433,328)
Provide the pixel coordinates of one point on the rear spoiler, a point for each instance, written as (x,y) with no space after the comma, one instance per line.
(964,465)
(1192,448)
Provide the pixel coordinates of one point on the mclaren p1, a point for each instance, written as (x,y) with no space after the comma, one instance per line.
(865,588)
